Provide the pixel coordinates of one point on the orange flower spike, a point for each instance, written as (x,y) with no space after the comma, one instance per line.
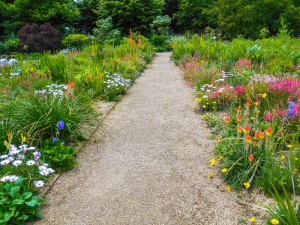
(240,129)
(227,119)
(269,131)
(213,81)
(239,118)
(248,139)
(251,157)
(71,85)
(247,129)
(248,104)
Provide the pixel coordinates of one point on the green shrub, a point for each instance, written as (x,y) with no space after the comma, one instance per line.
(75,41)
(58,155)
(17,205)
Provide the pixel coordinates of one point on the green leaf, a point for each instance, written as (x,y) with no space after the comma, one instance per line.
(31,203)
(23,217)
(26,195)
(17,201)
(14,191)
(7,215)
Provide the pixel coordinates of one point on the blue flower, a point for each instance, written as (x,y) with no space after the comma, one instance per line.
(54,139)
(60,125)
(291,104)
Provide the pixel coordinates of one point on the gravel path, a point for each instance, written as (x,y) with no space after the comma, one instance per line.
(149,166)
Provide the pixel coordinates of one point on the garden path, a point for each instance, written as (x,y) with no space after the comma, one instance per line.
(149,165)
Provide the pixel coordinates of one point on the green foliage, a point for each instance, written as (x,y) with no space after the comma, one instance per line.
(105,33)
(58,155)
(17,204)
(75,41)
(160,25)
(37,115)
(160,42)
(124,14)
(57,65)
(285,211)
(11,45)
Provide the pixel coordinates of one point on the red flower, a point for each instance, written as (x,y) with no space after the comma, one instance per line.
(239,118)
(240,129)
(247,129)
(259,135)
(269,131)
(227,119)
(251,157)
(248,104)
(71,85)
(238,109)
(248,139)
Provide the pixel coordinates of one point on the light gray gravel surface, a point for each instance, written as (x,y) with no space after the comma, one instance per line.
(149,165)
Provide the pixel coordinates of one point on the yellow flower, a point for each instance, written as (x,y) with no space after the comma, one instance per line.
(228,188)
(210,175)
(252,219)
(194,106)
(295,170)
(246,185)
(224,170)
(264,95)
(296,158)
(212,162)
(282,157)
(289,146)
(204,106)
(274,221)
(23,139)
(198,99)
(220,158)
(214,102)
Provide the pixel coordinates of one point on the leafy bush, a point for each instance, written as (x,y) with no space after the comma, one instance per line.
(17,204)
(75,41)
(160,42)
(58,155)
(35,38)
(12,44)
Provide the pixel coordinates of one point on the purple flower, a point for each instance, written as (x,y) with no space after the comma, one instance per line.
(54,139)
(292,104)
(60,125)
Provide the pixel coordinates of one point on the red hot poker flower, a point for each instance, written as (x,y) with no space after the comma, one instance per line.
(251,157)
(248,139)
(247,129)
(227,119)
(269,131)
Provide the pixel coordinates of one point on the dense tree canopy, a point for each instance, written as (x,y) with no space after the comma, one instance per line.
(130,14)
(249,18)
(17,13)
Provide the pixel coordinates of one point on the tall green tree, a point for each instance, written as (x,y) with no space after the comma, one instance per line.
(249,17)
(170,8)
(130,14)
(195,15)
(88,17)
(60,13)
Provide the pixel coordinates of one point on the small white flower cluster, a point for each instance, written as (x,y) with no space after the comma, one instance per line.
(54,89)
(15,157)
(116,82)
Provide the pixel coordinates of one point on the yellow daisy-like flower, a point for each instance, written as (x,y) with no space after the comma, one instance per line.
(224,170)
(289,146)
(198,100)
(247,185)
(212,162)
(274,221)
(214,102)
(253,219)
(264,95)
(282,157)
(204,106)
(228,188)
(210,175)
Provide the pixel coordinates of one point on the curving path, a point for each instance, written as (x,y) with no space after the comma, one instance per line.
(149,166)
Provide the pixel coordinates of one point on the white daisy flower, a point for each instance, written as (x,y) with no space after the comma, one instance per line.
(5,178)
(13,178)
(30,163)
(38,183)
(3,156)
(31,148)
(4,162)
(44,172)
(17,163)
(21,156)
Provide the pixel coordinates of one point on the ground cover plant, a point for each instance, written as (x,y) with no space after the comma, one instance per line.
(249,93)
(46,111)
